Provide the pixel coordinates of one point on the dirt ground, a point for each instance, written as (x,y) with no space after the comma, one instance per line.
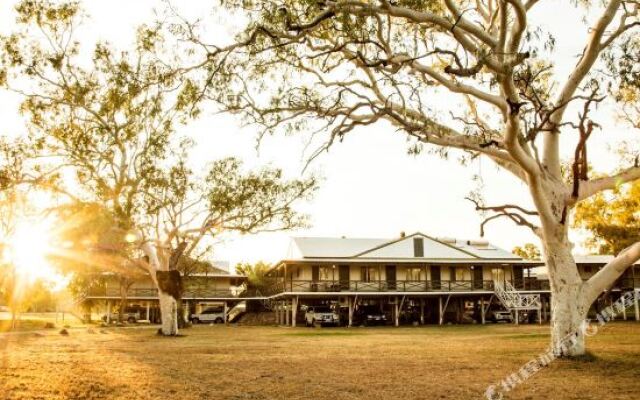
(264,363)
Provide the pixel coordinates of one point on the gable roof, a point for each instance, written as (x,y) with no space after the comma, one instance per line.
(398,249)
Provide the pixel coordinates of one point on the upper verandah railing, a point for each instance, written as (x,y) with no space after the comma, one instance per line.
(310,286)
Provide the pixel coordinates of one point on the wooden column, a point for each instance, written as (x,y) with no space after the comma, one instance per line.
(482,310)
(624,313)
(421,311)
(286,312)
(108,312)
(149,311)
(350,305)
(636,293)
(397,312)
(226,313)
(440,311)
(517,315)
(294,311)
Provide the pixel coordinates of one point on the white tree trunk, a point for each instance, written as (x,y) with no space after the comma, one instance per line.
(568,306)
(168,304)
(168,313)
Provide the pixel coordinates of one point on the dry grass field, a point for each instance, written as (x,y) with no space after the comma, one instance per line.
(263,363)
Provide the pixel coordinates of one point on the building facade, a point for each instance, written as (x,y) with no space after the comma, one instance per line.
(416,279)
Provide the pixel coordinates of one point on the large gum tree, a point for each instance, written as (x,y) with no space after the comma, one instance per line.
(473,75)
(108,123)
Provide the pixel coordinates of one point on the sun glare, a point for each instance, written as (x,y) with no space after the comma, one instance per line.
(28,249)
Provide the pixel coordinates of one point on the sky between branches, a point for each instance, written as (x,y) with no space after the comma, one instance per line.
(371,187)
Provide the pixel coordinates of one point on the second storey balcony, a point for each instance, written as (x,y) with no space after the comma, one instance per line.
(361,286)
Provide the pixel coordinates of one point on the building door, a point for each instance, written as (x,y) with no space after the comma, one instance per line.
(391,277)
(436,277)
(344,277)
(477,277)
(518,277)
(315,277)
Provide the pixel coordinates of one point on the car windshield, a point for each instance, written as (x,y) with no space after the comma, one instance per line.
(211,311)
(322,309)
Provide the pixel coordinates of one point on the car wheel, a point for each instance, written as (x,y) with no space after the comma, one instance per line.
(218,320)
(195,321)
(131,320)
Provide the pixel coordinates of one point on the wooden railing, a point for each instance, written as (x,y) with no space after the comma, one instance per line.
(379,286)
(153,293)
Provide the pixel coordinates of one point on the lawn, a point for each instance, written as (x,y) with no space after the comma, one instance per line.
(264,363)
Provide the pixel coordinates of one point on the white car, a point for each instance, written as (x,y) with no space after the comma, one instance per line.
(209,315)
(321,315)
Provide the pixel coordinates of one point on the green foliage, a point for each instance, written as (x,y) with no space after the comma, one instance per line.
(528,251)
(612,219)
(255,273)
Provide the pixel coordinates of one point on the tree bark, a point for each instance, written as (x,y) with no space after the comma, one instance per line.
(168,313)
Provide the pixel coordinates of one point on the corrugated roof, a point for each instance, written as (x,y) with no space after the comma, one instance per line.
(399,248)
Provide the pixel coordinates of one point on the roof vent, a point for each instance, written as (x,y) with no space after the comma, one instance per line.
(478,243)
(447,240)
(403,234)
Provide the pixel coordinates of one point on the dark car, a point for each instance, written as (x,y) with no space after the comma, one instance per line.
(369,315)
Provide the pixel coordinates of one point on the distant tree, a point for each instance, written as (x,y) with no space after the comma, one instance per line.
(110,123)
(473,76)
(256,275)
(611,218)
(528,251)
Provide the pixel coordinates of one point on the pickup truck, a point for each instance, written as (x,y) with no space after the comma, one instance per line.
(209,315)
(321,315)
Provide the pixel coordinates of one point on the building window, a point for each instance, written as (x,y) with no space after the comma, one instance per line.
(369,274)
(418,247)
(326,274)
(459,274)
(413,273)
(452,274)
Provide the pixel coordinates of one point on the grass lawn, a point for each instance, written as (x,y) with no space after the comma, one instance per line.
(236,363)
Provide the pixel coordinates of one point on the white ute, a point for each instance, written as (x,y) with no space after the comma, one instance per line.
(209,315)
(321,315)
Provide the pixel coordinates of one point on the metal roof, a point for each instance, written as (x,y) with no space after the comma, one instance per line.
(442,249)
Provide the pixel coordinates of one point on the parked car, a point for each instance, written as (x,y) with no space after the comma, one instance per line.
(209,315)
(501,316)
(369,315)
(131,315)
(321,315)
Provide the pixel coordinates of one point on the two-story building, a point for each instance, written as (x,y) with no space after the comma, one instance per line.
(417,279)
(211,286)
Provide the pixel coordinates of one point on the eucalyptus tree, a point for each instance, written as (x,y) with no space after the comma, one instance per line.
(109,122)
(472,75)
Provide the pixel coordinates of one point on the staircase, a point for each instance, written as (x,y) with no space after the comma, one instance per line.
(514,301)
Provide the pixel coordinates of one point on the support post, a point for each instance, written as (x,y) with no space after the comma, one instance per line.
(517,316)
(544,309)
(149,311)
(276,313)
(635,303)
(397,313)
(440,311)
(226,313)
(286,312)
(350,305)
(482,317)
(421,311)
(294,311)
(624,313)
(108,312)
